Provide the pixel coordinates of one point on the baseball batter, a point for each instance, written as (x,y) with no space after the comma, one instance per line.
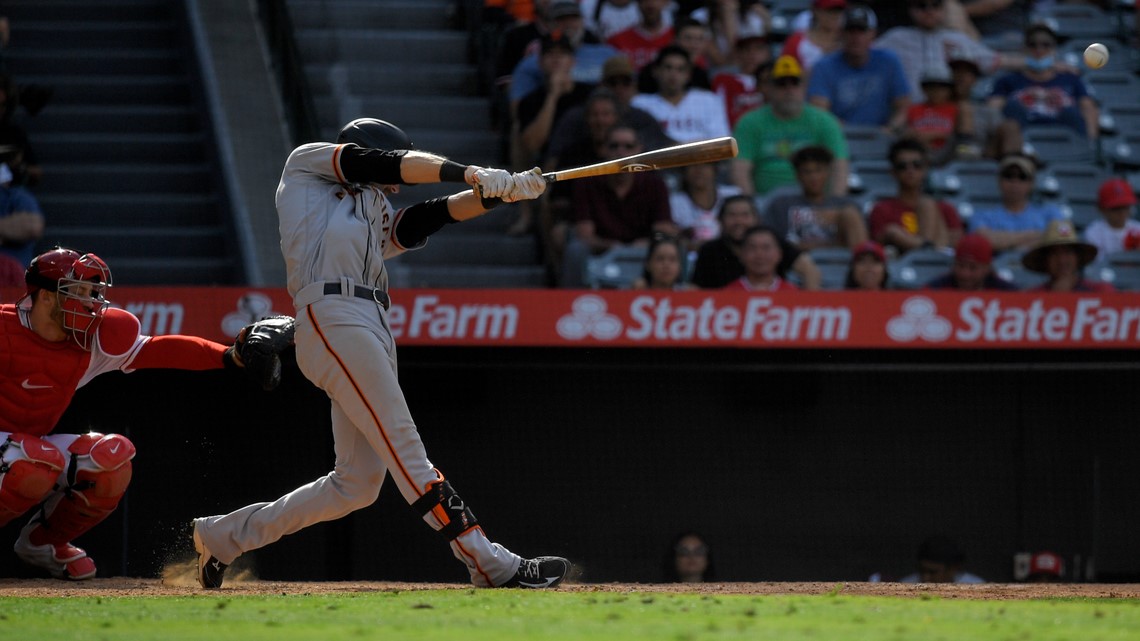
(55,339)
(337,227)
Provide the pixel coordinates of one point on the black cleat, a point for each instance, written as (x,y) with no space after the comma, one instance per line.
(539,573)
(211,571)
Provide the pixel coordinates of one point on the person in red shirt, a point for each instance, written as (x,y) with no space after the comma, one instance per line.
(911,219)
(1063,256)
(642,41)
(760,254)
(56,338)
(936,120)
(740,87)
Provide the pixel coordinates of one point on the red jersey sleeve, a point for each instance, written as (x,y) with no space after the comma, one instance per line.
(179,352)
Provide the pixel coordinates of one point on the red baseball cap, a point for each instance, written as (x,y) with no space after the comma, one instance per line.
(829,4)
(869,247)
(975,247)
(1115,192)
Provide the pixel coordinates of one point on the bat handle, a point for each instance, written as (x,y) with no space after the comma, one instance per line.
(550,178)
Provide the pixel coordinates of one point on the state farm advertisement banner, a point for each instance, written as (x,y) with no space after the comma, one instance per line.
(555,318)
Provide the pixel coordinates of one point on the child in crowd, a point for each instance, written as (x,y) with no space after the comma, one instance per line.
(868,269)
(696,205)
(664,265)
(1117,230)
(935,121)
(814,218)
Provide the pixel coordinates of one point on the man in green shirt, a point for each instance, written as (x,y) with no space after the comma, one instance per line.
(768,136)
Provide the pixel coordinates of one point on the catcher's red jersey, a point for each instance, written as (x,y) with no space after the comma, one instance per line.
(39,377)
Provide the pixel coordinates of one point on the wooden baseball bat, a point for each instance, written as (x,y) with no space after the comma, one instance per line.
(690,153)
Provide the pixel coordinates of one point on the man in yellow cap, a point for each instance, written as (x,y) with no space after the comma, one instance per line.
(768,136)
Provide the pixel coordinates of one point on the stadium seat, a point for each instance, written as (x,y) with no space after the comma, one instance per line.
(1007,265)
(867,143)
(833,263)
(1077,21)
(1121,269)
(1123,152)
(1081,213)
(1075,181)
(617,268)
(1049,144)
(976,179)
(916,268)
(1121,119)
(1114,89)
(783,14)
(868,175)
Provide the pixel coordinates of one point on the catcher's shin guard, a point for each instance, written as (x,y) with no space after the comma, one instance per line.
(441,504)
(98,474)
(29,467)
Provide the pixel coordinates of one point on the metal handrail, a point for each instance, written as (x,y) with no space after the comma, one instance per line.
(289,71)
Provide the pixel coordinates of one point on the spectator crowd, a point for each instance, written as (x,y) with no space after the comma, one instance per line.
(876,139)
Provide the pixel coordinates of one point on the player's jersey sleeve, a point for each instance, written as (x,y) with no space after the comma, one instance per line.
(117,343)
(120,346)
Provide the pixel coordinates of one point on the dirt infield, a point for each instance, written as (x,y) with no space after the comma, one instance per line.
(181,587)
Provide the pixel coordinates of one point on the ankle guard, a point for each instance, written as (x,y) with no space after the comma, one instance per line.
(447,507)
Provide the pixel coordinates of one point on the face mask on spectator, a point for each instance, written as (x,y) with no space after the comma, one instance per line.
(1039,64)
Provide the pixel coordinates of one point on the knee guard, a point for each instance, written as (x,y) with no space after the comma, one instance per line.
(442,503)
(29,468)
(98,473)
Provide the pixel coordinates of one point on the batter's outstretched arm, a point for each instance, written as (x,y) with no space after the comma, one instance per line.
(404,167)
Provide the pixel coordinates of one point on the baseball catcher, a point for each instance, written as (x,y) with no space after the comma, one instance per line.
(57,337)
(337,229)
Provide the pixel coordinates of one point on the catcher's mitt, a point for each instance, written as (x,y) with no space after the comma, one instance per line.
(259,346)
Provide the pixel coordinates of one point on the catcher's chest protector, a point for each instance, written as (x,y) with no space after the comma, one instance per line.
(37,377)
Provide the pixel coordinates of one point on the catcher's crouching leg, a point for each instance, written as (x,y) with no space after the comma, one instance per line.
(98,473)
(29,468)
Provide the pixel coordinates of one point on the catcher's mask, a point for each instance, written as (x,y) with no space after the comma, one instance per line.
(374,134)
(80,283)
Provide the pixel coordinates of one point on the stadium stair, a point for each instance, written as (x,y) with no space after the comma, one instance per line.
(400,60)
(129,166)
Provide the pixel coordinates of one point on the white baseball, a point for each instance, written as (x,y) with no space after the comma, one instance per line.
(1096,55)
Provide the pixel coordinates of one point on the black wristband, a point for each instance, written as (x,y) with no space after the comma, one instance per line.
(229,358)
(452,172)
(490,203)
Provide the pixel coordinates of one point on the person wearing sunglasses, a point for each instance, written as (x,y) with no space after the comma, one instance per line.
(623,209)
(911,218)
(1043,94)
(768,136)
(1016,222)
(688,560)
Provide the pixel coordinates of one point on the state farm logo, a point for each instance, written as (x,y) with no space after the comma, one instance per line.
(919,319)
(690,320)
(588,317)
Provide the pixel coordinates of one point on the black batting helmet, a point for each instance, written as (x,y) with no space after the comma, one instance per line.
(374,134)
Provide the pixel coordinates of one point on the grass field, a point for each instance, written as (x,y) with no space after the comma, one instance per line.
(581,614)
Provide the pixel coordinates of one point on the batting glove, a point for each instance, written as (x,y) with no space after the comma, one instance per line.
(488,183)
(526,185)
